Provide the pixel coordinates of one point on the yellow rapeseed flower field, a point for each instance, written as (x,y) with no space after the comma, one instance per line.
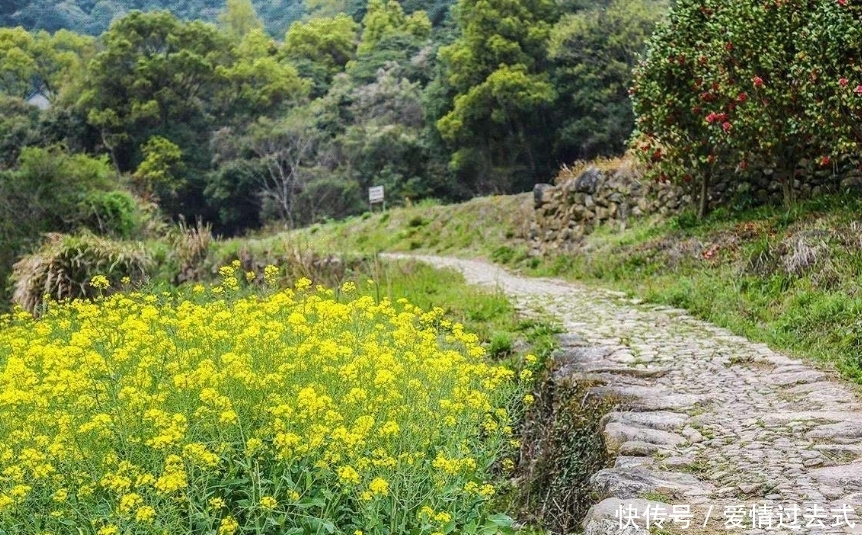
(217,410)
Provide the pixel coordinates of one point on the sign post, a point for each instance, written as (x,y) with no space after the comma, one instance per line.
(375,195)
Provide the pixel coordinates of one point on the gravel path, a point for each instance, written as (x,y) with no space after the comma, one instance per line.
(746,439)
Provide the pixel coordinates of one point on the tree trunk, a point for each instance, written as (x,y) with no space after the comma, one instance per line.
(788,191)
(703,198)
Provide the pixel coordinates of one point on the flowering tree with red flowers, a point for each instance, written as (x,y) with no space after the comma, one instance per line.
(679,100)
(834,52)
(748,86)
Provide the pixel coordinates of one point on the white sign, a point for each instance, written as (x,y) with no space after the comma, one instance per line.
(375,194)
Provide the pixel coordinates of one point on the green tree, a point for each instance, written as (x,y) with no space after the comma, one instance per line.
(257,81)
(497,122)
(17,66)
(593,52)
(160,170)
(158,76)
(239,18)
(386,18)
(321,47)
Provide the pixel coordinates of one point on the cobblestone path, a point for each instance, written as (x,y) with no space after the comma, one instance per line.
(746,439)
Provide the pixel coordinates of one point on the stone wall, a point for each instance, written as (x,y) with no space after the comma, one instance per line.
(583,200)
(613,192)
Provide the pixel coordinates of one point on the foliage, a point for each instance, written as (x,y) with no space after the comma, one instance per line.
(226,124)
(501,93)
(111,213)
(321,47)
(64,266)
(94,17)
(161,164)
(562,449)
(385,417)
(239,19)
(593,52)
(743,87)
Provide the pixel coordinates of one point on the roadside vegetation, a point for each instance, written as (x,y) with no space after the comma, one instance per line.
(789,278)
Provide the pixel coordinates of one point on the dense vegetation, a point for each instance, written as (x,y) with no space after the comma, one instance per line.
(733,89)
(160,118)
(160,412)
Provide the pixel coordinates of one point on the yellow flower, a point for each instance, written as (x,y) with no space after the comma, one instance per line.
(268,502)
(442,517)
(228,526)
(109,529)
(130,501)
(216,503)
(379,487)
(348,475)
(348,287)
(303,284)
(270,274)
(145,515)
(529,399)
(99,282)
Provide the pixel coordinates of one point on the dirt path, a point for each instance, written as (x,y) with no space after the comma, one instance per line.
(733,431)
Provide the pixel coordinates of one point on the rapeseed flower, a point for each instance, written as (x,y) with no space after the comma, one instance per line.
(137,408)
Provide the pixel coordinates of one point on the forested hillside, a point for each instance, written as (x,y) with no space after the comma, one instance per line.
(159,118)
(94,16)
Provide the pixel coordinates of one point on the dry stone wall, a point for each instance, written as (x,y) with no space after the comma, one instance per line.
(612,194)
(581,201)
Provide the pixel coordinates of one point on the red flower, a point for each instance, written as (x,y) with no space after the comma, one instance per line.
(858,89)
(742,97)
(712,117)
(758,81)
(824,161)
(726,126)
(842,82)
(842,2)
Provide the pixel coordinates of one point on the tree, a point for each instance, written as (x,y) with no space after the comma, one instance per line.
(730,87)
(257,82)
(17,67)
(321,47)
(159,171)
(386,18)
(157,76)
(284,150)
(593,52)
(239,19)
(675,87)
(497,122)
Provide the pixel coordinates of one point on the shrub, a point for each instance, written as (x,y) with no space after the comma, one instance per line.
(113,213)
(64,266)
(207,411)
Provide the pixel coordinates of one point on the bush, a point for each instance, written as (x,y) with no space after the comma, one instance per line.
(112,213)
(208,411)
(64,266)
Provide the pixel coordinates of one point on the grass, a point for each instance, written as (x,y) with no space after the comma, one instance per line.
(788,278)
(477,227)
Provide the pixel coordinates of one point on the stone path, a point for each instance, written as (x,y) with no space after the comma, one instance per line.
(744,438)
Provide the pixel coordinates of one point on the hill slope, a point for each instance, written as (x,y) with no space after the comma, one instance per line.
(94,16)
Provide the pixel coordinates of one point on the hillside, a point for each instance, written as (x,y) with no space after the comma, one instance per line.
(94,16)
